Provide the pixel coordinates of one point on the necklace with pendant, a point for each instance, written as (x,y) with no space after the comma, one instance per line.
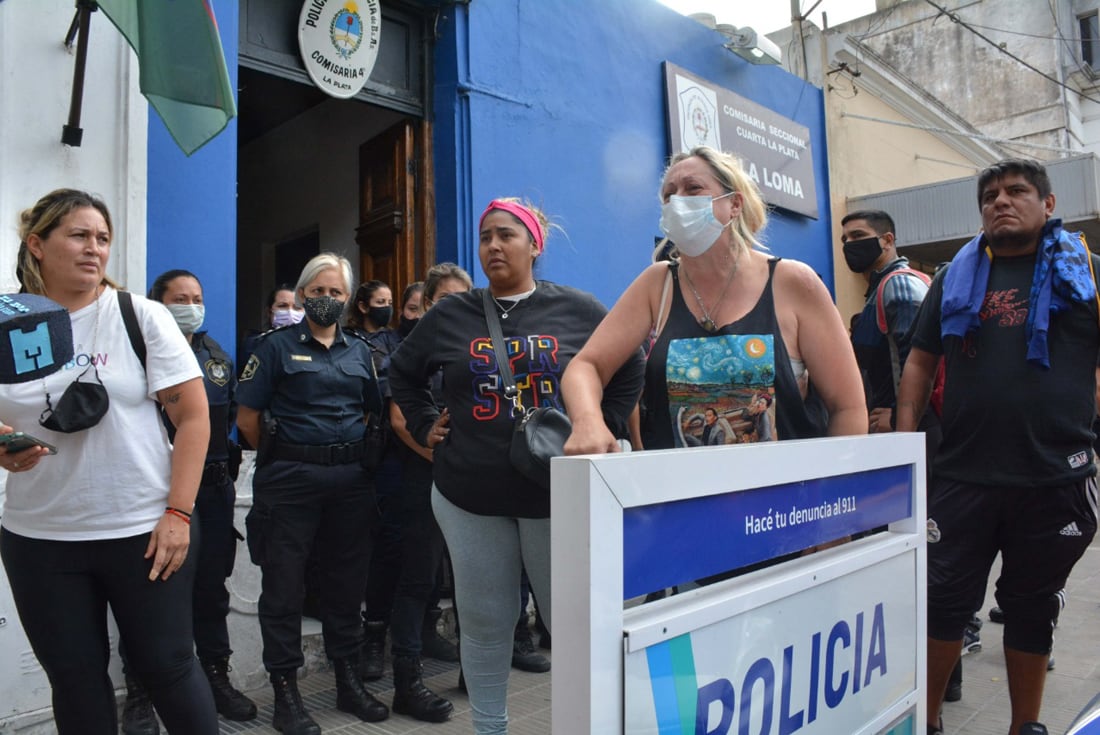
(514,299)
(504,311)
(707,322)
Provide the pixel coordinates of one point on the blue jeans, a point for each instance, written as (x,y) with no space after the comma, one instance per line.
(62,590)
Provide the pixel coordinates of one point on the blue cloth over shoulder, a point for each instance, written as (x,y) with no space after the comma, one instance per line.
(1062,276)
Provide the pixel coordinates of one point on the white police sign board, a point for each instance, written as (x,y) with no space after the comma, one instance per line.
(820,643)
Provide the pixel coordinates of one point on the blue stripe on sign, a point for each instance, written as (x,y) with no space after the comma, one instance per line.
(662,680)
(672,543)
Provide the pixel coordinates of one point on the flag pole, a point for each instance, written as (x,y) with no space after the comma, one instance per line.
(71,132)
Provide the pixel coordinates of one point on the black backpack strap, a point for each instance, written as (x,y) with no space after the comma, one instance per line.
(133,329)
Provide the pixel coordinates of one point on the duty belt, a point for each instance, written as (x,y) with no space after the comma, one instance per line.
(215,473)
(328,454)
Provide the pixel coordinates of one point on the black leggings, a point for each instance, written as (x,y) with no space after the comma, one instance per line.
(62,590)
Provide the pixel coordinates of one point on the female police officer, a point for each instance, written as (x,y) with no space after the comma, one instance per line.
(181,292)
(317,384)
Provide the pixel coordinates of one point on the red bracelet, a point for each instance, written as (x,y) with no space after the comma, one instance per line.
(186,518)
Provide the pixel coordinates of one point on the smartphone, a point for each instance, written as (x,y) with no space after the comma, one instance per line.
(18,441)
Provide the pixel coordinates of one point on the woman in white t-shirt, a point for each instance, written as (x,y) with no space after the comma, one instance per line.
(106,521)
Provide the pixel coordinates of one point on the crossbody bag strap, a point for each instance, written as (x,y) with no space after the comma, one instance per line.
(493,321)
(133,329)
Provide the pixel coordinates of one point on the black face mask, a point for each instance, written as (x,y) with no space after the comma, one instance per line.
(323,311)
(380,315)
(861,254)
(406,325)
(81,406)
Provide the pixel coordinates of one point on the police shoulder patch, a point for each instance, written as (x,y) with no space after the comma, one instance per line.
(217,371)
(250,367)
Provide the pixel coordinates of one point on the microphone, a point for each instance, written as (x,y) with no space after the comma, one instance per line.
(36,337)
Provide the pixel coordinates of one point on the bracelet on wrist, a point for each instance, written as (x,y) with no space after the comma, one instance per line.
(185,517)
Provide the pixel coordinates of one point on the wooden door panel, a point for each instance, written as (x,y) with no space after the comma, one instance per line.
(386,194)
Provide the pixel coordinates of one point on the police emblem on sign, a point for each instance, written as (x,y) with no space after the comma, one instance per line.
(346,30)
(217,372)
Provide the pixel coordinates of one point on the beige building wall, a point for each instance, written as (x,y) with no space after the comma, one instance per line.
(867,157)
(884,131)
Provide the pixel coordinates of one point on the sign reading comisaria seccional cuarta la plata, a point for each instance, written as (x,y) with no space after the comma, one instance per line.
(339,43)
(775,150)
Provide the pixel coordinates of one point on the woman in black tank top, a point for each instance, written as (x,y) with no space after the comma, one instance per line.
(745,347)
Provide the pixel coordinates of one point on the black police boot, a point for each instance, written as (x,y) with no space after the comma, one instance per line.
(524,655)
(411,697)
(137,713)
(372,656)
(433,645)
(351,697)
(230,703)
(290,717)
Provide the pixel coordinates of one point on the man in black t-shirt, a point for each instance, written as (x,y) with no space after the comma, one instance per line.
(1015,318)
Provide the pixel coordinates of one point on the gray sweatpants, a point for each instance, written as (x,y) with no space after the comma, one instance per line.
(487,554)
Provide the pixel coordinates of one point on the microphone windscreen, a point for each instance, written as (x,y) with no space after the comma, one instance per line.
(36,337)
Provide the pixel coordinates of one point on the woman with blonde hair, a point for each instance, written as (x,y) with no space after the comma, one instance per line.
(730,320)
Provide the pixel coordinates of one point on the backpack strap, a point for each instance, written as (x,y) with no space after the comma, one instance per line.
(133,329)
(880,306)
(880,319)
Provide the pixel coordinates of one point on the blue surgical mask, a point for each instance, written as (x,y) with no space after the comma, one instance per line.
(690,223)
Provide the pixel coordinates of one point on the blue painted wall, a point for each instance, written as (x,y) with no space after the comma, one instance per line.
(563,103)
(192,204)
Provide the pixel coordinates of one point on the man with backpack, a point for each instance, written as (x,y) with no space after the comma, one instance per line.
(1015,318)
(894,295)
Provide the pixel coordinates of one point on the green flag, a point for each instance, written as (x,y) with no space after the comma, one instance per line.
(183,72)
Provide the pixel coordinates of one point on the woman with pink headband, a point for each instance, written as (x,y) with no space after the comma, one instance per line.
(495,521)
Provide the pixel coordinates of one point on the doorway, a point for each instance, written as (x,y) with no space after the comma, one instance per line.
(320,174)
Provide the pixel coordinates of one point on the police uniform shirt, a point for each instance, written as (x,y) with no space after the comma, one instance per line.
(319,396)
(221,387)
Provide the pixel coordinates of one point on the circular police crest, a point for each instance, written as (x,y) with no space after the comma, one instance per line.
(339,43)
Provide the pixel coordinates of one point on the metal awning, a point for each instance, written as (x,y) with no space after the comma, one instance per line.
(935,220)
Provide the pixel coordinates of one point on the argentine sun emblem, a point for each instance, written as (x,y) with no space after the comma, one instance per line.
(346,30)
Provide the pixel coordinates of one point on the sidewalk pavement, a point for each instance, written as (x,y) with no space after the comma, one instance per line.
(528,705)
(983,710)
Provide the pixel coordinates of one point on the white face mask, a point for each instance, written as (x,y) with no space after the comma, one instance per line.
(689,222)
(189,317)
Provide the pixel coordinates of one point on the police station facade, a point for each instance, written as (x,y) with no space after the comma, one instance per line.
(564,103)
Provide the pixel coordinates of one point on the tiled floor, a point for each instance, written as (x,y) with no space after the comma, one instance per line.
(528,706)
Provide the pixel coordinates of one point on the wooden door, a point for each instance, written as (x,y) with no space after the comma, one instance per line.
(396,211)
